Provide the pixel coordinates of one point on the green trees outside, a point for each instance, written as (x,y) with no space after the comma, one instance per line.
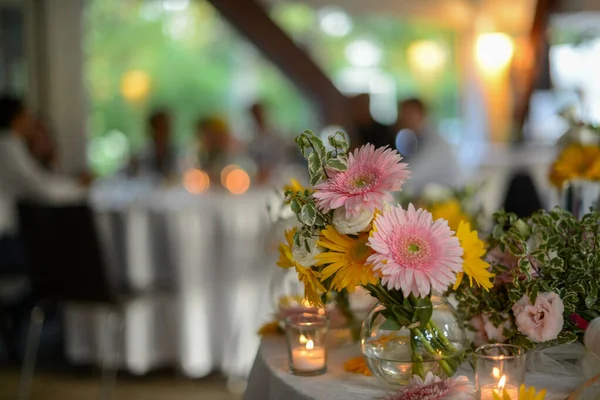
(194,64)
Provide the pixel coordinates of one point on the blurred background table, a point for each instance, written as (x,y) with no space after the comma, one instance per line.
(270,378)
(207,251)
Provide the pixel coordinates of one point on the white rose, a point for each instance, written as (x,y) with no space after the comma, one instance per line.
(356,223)
(303,257)
(436,193)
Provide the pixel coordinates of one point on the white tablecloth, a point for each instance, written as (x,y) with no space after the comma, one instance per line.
(208,250)
(270,378)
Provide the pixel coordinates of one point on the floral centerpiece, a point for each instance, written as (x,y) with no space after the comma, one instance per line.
(547,280)
(350,235)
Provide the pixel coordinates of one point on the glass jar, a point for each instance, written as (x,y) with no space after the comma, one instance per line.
(395,355)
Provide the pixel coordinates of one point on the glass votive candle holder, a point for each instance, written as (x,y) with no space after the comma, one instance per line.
(306,335)
(499,369)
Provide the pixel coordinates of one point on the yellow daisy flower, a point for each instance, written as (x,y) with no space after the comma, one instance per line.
(576,161)
(530,394)
(313,289)
(473,249)
(346,260)
(294,186)
(451,211)
(285,250)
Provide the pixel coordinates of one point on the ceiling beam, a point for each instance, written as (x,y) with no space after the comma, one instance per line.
(538,44)
(253,22)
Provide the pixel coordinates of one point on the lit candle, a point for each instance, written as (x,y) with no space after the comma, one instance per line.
(309,357)
(499,391)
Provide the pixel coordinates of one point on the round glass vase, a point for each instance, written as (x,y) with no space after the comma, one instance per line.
(395,355)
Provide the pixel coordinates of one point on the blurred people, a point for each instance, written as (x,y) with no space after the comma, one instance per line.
(21,177)
(159,157)
(215,147)
(268,149)
(40,144)
(367,129)
(430,158)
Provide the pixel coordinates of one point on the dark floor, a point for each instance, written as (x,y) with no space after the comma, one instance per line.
(163,386)
(55,379)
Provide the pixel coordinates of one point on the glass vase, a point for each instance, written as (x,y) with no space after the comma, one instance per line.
(395,355)
(579,195)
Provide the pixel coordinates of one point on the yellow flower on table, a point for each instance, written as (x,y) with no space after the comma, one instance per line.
(576,162)
(473,266)
(357,365)
(524,394)
(345,260)
(529,394)
(313,289)
(451,211)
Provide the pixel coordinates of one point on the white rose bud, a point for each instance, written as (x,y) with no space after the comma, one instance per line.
(303,257)
(353,225)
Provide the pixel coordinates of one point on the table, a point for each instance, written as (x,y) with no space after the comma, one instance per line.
(270,378)
(208,250)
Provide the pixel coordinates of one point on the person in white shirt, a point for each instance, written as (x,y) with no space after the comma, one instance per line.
(22,178)
(429,156)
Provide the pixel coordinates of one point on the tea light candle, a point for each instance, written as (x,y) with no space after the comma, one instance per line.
(306,336)
(499,371)
(498,391)
(309,357)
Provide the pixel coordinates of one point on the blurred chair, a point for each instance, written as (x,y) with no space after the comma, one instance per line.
(13,289)
(522,197)
(67,266)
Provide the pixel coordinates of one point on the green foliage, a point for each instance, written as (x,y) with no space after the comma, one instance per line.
(196,64)
(319,162)
(555,253)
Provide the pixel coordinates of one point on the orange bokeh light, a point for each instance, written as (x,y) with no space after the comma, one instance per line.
(226,171)
(237,181)
(196,181)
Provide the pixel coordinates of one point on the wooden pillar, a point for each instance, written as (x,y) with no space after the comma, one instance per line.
(56,74)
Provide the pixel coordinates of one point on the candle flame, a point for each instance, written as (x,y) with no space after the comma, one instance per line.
(501,383)
(310,345)
(303,339)
(496,373)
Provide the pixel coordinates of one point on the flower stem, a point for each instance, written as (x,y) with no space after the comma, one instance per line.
(448,369)
(417,367)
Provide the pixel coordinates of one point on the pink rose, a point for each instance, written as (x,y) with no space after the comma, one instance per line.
(541,321)
(486,331)
(480,337)
(496,333)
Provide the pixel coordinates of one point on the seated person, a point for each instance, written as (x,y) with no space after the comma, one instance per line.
(430,157)
(41,146)
(160,157)
(21,177)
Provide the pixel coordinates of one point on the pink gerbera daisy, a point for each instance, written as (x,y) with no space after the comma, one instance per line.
(435,388)
(413,252)
(367,182)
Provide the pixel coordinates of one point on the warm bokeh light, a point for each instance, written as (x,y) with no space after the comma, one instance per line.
(237,181)
(427,56)
(494,51)
(135,85)
(196,181)
(226,171)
